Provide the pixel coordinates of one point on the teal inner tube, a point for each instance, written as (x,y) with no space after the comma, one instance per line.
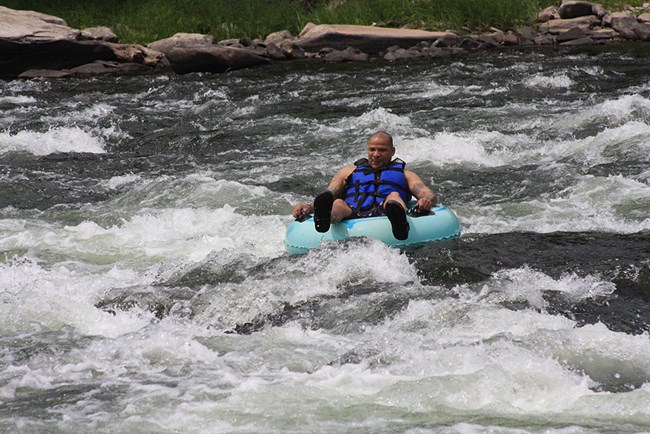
(440,224)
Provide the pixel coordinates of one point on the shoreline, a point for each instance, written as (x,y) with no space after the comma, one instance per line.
(35,45)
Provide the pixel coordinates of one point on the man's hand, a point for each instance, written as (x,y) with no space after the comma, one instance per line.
(301,209)
(423,206)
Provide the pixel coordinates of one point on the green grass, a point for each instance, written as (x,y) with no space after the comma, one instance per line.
(435,14)
(143,21)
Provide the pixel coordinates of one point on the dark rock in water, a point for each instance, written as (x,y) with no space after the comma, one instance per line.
(348,55)
(103,67)
(403,54)
(45,73)
(159,301)
(643,280)
(435,52)
(578,42)
(17,57)
(94,68)
(212,59)
(626,310)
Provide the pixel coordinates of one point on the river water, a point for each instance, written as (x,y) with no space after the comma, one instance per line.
(144,285)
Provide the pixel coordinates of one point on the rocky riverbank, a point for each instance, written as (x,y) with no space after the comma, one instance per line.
(33,44)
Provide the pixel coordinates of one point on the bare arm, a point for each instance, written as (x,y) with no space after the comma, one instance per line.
(425,196)
(336,186)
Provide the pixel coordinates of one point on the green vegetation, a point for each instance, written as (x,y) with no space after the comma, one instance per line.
(142,21)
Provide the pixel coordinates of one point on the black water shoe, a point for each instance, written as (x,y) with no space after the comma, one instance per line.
(323,211)
(397,216)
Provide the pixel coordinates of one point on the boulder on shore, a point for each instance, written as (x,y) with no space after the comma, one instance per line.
(575,9)
(33,44)
(368,39)
(34,27)
(181,40)
(560,25)
(98,34)
(40,43)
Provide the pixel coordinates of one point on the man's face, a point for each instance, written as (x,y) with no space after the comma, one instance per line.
(380,153)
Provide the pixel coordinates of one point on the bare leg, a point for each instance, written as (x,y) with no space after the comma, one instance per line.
(340,210)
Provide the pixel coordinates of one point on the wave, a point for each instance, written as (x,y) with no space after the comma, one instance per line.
(601,204)
(483,148)
(55,140)
(559,81)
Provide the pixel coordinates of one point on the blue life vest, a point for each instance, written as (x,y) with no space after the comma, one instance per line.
(367,187)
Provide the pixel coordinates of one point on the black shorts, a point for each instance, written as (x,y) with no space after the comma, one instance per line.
(377,211)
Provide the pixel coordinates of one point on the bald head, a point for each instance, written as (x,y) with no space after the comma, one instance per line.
(381,138)
(380,149)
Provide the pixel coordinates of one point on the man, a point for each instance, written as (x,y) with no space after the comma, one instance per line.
(374,186)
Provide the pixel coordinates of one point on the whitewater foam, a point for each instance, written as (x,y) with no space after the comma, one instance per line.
(560,81)
(64,139)
(62,296)
(601,204)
